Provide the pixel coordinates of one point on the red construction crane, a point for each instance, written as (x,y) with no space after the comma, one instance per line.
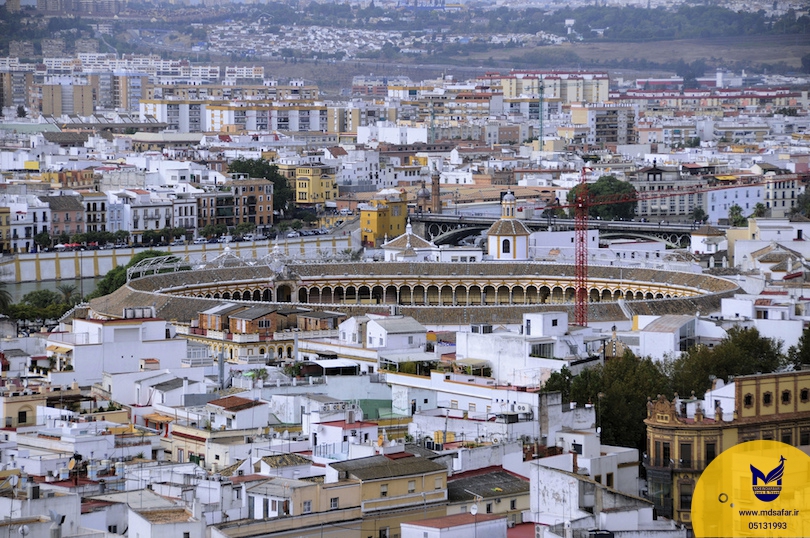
(581,207)
(582,204)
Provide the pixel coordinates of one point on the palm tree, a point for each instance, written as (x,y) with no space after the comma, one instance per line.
(68,292)
(6,299)
(759,210)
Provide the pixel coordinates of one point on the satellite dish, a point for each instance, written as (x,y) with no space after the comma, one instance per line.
(474,509)
(13,480)
(24,530)
(71,464)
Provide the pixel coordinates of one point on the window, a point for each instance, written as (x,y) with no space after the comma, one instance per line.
(411,486)
(410,340)
(545,351)
(238,493)
(804,395)
(609,482)
(711,452)
(686,497)
(437,483)
(554,322)
(686,455)
(507,246)
(804,438)
(748,400)
(186,535)
(513,504)
(785,397)
(787,437)
(598,478)
(767,398)
(334,503)
(22,417)
(489,508)
(384,490)
(307,507)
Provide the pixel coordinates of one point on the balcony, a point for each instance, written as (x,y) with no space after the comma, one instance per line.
(289,334)
(245,338)
(668,465)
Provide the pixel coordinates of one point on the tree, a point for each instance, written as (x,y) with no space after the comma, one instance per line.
(121,236)
(5,297)
(42,240)
(735,216)
(261,168)
(150,237)
(69,295)
(21,112)
(608,198)
(213,230)
(117,277)
(620,390)
(41,298)
(759,211)
(244,228)
(699,215)
(560,382)
(743,352)
(800,353)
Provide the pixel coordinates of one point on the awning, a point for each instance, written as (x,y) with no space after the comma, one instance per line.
(475,363)
(335,363)
(330,204)
(157,417)
(58,349)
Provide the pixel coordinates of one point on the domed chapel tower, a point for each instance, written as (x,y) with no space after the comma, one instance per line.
(508,238)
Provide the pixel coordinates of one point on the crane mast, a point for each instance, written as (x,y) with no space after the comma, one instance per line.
(581,250)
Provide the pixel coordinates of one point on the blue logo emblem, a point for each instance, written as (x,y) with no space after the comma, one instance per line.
(768,487)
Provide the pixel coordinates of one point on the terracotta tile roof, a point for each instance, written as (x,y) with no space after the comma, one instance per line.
(235,403)
(508,227)
(403,240)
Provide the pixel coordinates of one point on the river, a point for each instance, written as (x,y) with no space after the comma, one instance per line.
(19,289)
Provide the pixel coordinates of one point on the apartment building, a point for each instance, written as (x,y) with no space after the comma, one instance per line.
(664,193)
(253,201)
(66,98)
(608,124)
(315,185)
(67,214)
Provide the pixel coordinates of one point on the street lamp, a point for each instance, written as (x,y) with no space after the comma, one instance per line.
(474,512)
(599,397)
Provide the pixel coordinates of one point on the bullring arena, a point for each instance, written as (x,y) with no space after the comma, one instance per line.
(434,293)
